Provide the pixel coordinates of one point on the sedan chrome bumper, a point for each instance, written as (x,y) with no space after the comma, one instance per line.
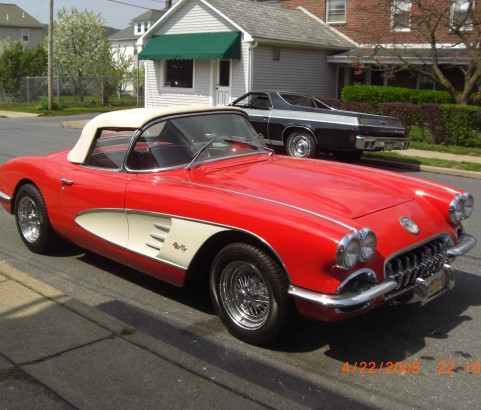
(381,143)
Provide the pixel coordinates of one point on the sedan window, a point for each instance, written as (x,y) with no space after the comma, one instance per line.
(299,100)
(256,101)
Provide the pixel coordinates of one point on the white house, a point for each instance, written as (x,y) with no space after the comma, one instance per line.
(212,51)
(124,41)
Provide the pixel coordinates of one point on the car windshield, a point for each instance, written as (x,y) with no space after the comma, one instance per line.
(184,141)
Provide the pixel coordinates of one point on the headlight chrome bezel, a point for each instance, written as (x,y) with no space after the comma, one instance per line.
(356,247)
(461,207)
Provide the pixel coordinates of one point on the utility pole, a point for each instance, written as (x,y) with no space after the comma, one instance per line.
(50,56)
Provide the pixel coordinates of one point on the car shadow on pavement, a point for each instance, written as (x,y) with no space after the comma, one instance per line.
(391,333)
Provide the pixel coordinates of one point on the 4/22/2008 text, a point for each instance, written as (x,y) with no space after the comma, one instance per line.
(410,367)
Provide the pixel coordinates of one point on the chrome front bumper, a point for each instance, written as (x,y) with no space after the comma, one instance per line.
(425,289)
(380,143)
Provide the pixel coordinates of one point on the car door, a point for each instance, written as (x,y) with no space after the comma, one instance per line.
(259,107)
(92,195)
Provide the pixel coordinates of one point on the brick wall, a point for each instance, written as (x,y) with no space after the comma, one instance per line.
(369,21)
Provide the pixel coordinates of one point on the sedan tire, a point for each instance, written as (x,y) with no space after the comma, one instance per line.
(249,292)
(301,145)
(32,219)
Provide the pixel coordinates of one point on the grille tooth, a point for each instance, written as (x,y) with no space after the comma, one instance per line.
(422,262)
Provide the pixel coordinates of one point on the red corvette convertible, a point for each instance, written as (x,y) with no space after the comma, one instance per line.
(189,193)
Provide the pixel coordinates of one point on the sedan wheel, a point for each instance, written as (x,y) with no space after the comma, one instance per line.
(301,145)
(249,292)
(32,219)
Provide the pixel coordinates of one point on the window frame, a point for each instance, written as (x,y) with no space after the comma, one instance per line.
(329,8)
(456,7)
(25,33)
(398,10)
(164,77)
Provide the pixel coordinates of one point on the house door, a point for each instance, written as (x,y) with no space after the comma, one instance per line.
(223,89)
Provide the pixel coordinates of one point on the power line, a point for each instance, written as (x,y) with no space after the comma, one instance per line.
(135,5)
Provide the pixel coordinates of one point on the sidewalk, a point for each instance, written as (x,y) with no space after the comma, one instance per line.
(57,353)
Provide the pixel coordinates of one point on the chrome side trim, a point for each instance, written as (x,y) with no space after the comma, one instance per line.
(343,301)
(5,199)
(465,244)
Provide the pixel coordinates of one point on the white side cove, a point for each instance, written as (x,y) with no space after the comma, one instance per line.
(171,240)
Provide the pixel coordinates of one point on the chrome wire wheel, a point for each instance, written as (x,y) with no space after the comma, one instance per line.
(29,219)
(249,292)
(32,220)
(245,295)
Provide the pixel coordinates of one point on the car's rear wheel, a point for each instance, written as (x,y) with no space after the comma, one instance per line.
(32,219)
(301,145)
(249,292)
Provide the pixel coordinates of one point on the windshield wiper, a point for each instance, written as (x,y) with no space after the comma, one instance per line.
(197,154)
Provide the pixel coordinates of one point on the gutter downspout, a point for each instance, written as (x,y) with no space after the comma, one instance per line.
(252,46)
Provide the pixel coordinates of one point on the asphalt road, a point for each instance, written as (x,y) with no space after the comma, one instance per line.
(435,351)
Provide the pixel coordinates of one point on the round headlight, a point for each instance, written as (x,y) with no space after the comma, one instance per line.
(348,251)
(368,244)
(468,205)
(461,207)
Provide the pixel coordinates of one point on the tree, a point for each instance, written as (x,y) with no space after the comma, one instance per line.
(431,37)
(122,66)
(17,62)
(82,49)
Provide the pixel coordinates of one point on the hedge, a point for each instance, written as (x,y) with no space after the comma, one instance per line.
(448,124)
(376,95)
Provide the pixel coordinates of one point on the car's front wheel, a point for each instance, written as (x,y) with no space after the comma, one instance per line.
(301,145)
(249,292)
(32,219)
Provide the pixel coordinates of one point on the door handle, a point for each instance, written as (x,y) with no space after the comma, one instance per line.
(66,182)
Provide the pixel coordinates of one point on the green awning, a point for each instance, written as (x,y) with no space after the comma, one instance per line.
(194,46)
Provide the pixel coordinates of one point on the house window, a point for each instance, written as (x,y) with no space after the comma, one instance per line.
(336,11)
(138,28)
(401,15)
(462,13)
(179,73)
(25,34)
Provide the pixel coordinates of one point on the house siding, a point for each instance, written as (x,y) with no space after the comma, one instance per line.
(15,34)
(307,71)
(240,73)
(195,17)
(157,96)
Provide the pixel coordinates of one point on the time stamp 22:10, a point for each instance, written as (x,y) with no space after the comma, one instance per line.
(408,367)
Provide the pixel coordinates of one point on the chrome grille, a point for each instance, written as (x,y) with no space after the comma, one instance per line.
(420,262)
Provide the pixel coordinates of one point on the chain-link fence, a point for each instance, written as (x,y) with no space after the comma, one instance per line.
(70,91)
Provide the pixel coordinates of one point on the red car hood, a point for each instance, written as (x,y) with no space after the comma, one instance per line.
(318,186)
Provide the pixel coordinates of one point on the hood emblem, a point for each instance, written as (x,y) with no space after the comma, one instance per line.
(409,225)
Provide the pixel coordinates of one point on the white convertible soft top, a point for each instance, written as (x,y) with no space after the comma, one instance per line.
(134,118)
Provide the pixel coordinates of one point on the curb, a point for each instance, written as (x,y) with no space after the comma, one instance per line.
(425,168)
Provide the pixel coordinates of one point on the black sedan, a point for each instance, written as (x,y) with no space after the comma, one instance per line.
(307,126)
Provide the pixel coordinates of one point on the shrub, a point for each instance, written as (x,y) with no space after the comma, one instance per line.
(462,124)
(43,106)
(376,95)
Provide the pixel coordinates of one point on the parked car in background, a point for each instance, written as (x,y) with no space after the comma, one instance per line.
(189,194)
(306,126)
